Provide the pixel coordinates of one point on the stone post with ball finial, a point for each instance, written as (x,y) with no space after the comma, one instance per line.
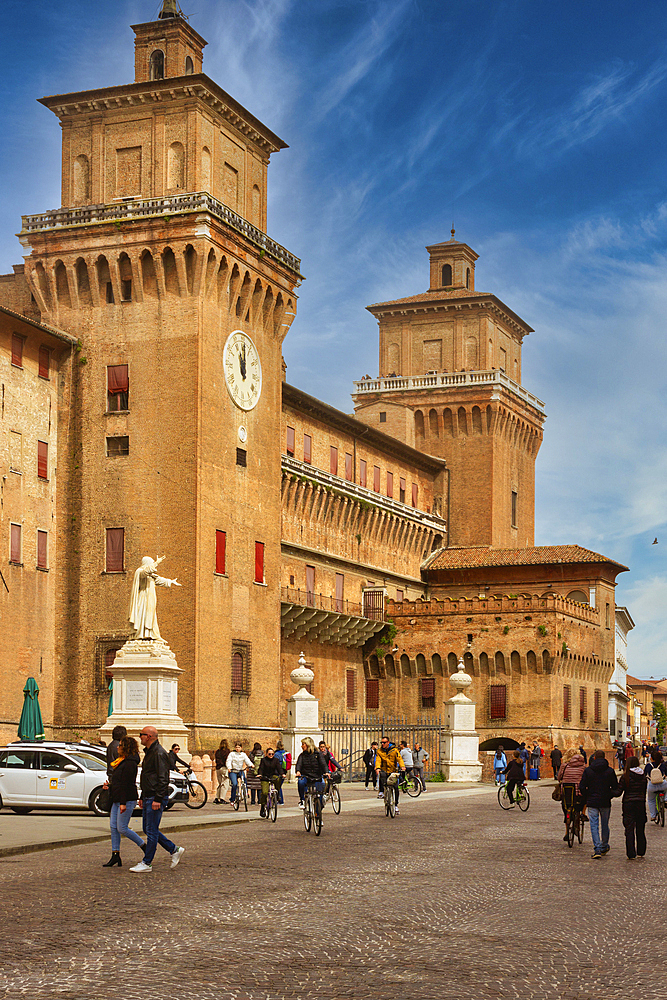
(459,742)
(303,711)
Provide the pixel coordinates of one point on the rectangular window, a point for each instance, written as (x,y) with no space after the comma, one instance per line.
(220,551)
(42,539)
(515,498)
(567,707)
(415,494)
(333,461)
(401,490)
(242,457)
(362,472)
(118,446)
(42,460)
(372,694)
(115,558)
(582,704)
(591,596)
(17,350)
(348,468)
(310,586)
(399,596)
(390,484)
(15,544)
(612,727)
(428,692)
(307,449)
(374,604)
(44,362)
(607,616)
(340,591)
(289,444)
(118,388)
(126,289)
(349,689)
(376,478)
(597,700)
(383,417)
(259,562)
(498,701)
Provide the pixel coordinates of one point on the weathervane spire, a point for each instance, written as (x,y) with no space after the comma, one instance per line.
(170,8)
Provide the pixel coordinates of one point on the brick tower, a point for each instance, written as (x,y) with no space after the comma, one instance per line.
(159,262)
(450,385)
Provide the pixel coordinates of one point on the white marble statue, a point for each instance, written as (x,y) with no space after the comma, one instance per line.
(143,602)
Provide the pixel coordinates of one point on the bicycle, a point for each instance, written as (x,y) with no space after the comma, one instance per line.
(660,808)
(389,798)
(241,793)
(574,823)
(521,797)
(271,807)
(331,793)
(197,794)
(411,784)
(312,811)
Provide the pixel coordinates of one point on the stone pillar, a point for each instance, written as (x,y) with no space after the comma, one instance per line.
(303,712)
(459,743)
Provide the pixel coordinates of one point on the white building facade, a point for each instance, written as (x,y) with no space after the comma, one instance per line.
(618,688)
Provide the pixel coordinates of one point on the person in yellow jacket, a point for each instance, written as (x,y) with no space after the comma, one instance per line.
(388,760)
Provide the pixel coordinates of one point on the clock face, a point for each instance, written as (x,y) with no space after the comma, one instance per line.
(243,371)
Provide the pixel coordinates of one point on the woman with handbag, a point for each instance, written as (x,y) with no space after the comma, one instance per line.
(633,784)
(122,787)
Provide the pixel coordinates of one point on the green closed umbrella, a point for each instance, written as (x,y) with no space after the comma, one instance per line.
(31,726)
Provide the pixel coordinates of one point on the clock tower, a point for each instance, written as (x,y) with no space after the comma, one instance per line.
(160,264)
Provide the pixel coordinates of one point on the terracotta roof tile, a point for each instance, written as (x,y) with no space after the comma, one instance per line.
(471,558)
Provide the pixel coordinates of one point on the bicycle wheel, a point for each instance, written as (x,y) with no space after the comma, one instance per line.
(307,814)
(272,807)
(197,796)
(503,798)
(335,799)
(524,801)
(570,829)
(245,798)
(414,787)
(237,800)
(317,815)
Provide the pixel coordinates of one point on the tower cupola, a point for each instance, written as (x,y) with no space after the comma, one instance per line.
(167,47)
(452,265)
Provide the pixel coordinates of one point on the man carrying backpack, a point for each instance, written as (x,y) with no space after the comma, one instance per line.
(597,787)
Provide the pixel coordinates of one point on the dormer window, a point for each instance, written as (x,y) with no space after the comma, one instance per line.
(157,65)
(446,275)
(189,66)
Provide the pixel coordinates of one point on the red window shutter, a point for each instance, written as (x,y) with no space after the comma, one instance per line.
(220,551)
(598,716)
(376,478)
(415,494)
(372,694)
(290,441)
(17,350)
(41,549)
(333,461)
(566,703)
(44,362)
(42,460)
(340,590)
(390,484)
(428,692)
(117,378)
(110,657)
(497,701)
(349,692)
(348,468)
(237,672)
(362,472)
(15,543)
(115,562)
(259,562)
(307,449)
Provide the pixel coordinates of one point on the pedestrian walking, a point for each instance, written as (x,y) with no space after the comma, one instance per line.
(633,784)
(583,754)
(499,765)
(256,757)
(656,772)
(285,758)
(369,763)
(556,758)
(406,754)
(524,756)
(154,797)
(221,772)
(419,758)
(122,787)
(598,786)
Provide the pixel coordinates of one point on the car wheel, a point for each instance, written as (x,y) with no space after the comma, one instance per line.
(94,805)
(21,810)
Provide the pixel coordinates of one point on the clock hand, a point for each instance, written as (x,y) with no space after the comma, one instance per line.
(242,362)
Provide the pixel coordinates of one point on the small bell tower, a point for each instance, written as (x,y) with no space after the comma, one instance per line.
(168,47)
(452,265)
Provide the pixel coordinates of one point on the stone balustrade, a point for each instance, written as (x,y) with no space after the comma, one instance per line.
(446,379)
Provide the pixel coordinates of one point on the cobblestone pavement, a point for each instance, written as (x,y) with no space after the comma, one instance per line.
(452,899)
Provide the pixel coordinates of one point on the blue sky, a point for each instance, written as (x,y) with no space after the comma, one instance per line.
(537,128)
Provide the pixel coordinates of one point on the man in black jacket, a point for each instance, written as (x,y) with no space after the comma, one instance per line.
(598,786)
(369,761)
(556,758)
(154,797)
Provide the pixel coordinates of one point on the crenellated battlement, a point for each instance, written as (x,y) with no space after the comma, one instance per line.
(496,604)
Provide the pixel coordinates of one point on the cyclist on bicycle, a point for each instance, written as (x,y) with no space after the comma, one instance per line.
(570,774)
(237,762)
(310,769)
(515,774)
(387,761)
(655,783)
(270,771)
(333,767)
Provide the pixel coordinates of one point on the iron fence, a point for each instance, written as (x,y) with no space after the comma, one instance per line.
(349,738)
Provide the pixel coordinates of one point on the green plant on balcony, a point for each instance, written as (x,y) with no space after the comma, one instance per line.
(386,638)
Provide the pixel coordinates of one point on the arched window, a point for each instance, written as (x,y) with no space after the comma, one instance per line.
(419,424)
(579,596)
(189,66)
(446,275)
(156,66)
(405,665)
(206,169)
(256,206)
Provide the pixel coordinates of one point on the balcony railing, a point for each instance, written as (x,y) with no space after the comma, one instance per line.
(326,619)
(60,218)
(436,380)
(322,602)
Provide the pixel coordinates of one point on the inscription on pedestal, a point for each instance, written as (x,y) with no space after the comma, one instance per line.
(136,695)
(166,698)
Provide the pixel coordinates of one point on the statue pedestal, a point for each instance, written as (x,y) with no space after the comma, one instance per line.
(459,742)
(303,712)
(145,692)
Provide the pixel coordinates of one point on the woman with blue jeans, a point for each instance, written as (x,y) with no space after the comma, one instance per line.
(122,787)
(656,763)
(310,769)
(499,765)
(236,765)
